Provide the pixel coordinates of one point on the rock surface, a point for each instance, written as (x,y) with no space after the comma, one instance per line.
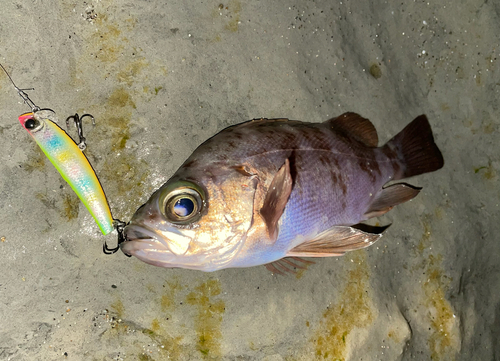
(160,78)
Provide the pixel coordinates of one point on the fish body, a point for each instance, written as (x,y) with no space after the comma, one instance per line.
(264,190)
(69,160)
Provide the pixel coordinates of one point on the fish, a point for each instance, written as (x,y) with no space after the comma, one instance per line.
(71,162)
(274,191)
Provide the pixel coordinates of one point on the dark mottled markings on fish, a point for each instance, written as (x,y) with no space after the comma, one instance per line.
(396,165)
(369,168)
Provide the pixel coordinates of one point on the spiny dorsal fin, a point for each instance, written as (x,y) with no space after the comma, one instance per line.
(276,199)
(259,121)
(355,126)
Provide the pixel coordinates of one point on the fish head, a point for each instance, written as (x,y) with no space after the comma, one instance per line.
(198,220)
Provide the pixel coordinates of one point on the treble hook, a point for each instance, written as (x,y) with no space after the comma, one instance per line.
(78,123)
(22,94)
(119,226)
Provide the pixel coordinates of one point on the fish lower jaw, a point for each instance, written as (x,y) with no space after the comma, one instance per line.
(150,252)
(153,252)
(143,247)
(142,243)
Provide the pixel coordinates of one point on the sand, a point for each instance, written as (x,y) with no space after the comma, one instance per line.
(162,77)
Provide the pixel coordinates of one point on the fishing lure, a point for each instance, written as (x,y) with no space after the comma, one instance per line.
(69,160)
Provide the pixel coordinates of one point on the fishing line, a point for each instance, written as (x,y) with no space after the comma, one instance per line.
(22,94)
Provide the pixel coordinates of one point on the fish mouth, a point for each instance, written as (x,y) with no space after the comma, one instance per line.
(171,248)
(163,248)
(146,244)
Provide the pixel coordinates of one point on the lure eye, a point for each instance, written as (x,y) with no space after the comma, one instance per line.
(183,204)
(31,123)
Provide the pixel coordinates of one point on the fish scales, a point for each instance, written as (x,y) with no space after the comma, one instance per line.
(316,155)
(341,195)
(280,184)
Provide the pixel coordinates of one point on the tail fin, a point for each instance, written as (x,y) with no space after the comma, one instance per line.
(416,149)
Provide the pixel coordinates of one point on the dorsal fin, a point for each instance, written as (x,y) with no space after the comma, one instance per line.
(355,126)
(259,121)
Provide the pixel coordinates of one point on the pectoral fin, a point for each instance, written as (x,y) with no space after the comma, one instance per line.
(276,199)
(336,241)
(389,197)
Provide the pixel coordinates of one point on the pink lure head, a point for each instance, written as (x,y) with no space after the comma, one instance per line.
(27,118)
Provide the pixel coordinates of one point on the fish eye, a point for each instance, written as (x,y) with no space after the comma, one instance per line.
(183,205)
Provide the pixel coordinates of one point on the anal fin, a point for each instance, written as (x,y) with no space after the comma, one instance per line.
(389,197)
(336,241)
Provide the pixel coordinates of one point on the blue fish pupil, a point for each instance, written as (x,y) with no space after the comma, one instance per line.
(183,207)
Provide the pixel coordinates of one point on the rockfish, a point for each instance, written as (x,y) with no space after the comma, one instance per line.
(267,189)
